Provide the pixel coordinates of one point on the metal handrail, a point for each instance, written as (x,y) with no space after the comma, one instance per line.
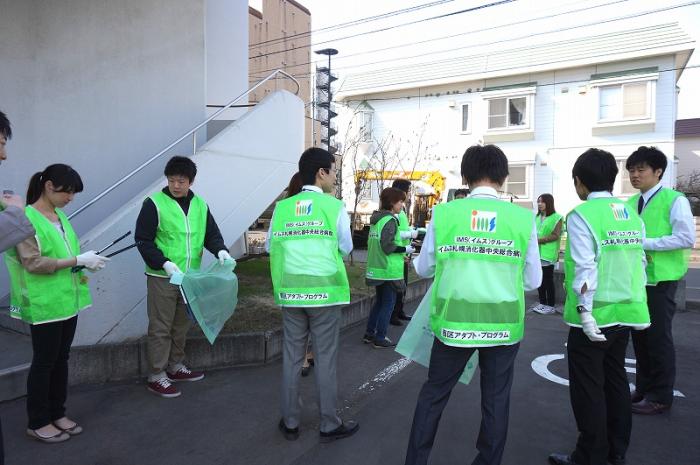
(191,132)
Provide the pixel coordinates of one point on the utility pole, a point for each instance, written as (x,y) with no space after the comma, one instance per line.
(324,110)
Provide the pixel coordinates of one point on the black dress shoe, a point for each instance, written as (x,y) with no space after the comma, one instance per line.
(395,321)
(636,396)
(560,459)
(648,407)
(403,316)
(616,459)
(290,434)
(348,428)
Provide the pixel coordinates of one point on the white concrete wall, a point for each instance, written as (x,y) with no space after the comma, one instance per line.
(104,85)
(226,58)
(563,122)
(101,85)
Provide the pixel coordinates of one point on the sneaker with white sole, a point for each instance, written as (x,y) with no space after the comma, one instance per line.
(535,308)
(185,374)
(163,387)
(545,310)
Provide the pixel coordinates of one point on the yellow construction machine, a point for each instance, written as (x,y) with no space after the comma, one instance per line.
(421,205)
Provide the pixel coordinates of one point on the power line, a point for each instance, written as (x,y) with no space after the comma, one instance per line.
(354,22)
(447,60)
(464,33)
(343,57)
(387,28)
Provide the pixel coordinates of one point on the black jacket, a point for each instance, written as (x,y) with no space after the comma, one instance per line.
(147,225)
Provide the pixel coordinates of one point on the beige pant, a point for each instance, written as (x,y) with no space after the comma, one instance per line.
(167,327)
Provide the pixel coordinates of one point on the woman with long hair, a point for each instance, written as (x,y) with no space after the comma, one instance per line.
(295,185)
(549,226)
(47,292)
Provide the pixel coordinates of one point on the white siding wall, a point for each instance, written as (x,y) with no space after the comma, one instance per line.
(564,117)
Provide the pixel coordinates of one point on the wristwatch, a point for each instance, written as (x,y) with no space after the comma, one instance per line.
(581,309)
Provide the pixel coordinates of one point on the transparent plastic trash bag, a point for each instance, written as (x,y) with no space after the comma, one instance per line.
(211,295)
(417,340)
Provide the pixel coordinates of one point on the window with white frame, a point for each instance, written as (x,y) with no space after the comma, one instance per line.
(630,101)
(516,182)
(508,113)
(624,185)
(626,99)
(466,123)
(365,123)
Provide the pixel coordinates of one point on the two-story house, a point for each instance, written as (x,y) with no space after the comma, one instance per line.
(543,104)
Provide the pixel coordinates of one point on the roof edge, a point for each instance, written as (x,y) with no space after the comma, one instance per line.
(669,50)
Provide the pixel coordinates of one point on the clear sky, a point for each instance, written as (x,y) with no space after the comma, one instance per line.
(593,16)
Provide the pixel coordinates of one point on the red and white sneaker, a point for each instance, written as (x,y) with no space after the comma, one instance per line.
(185,374)
(163,387)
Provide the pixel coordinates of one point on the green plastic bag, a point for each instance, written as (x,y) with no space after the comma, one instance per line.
(417,340)
(211,295)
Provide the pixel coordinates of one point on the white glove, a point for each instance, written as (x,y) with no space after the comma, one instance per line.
(410,249)
(91,260)
(223,256)
(410,234)
(171,268)
(590,327)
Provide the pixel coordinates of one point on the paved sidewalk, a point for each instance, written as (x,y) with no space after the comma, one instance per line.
(231,416)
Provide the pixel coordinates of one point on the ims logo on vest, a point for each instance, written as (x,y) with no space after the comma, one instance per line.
(304,207)
(620,211)
(483,221)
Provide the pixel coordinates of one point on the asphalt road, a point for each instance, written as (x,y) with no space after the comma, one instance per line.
(231,416)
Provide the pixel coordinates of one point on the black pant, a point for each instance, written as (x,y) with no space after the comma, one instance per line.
(653,347)
(546,290)
(398,305)
(446,366)
(600,395)
(47,382)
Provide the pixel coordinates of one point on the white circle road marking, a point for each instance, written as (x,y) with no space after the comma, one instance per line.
(540,365)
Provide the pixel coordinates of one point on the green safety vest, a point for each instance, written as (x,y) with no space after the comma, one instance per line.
(662,265)
(305,263)
(180,237)
(478,294)
(620,297)
(380,266)
(404,226)
(43,298)
(545,226)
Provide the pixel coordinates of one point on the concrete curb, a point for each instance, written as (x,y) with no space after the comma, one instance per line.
(14,382)
(118,362)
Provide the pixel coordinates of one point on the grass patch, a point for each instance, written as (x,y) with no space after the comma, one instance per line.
(256,310)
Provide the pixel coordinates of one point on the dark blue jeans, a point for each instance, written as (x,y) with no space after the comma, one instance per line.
(380,314)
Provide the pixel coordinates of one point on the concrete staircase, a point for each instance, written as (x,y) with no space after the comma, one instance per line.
(241,170)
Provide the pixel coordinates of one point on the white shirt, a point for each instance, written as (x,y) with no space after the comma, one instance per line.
(584,252)
(532,274)
(682,225)
(342,227)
